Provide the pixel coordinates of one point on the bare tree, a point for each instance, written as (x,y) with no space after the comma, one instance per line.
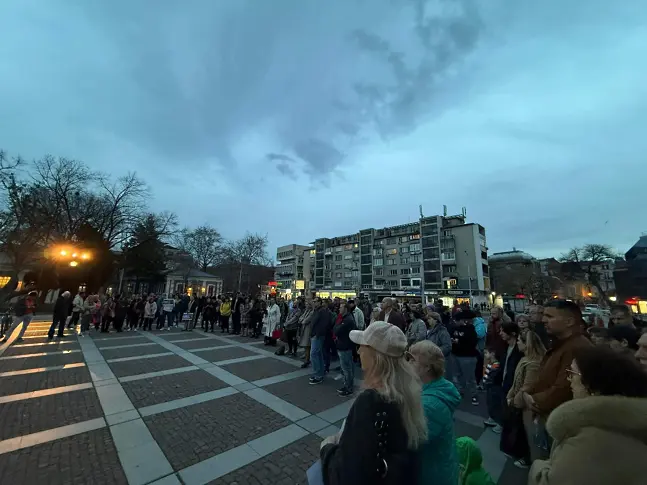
(250,249)
(204,244)
(587,259)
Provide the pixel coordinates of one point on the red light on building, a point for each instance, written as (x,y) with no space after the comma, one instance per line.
(272,283)
(520,296)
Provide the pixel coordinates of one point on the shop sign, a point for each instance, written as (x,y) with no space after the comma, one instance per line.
(272,283)
(300,284)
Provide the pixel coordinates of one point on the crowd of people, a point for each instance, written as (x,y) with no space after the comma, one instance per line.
(559,392)
(567,397)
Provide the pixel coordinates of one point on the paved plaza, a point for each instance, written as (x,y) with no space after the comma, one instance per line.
(173,408)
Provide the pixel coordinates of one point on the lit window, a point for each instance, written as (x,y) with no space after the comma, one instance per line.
(4,280)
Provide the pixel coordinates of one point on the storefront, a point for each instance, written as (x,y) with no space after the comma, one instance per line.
(343,294)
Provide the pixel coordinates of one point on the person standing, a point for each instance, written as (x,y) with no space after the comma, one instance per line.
(60,315)
(417,330)
(119,310)
(149,313)
(464,353)
(271,322)
(562,320)
(235,312)
(245,309)
(23,313)
(390,315)
(77,309)
(89,308)
(305,330)
(225,313)
(321,326)
(345,349)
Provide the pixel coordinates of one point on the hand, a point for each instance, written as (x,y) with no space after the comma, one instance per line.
(528,400)
(331,440)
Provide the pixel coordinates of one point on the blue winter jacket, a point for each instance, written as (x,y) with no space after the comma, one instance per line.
(438,460)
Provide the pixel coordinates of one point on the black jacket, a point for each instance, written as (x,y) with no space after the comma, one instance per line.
(464,341)
(354,461)
(61,307)
(321,322)
(342,332)
(506,380)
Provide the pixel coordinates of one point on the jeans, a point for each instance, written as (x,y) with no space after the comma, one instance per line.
(347,368)
(25,320)
(74,320)
(464,372)
(317,356)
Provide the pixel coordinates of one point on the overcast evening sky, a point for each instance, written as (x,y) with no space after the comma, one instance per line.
(311,118)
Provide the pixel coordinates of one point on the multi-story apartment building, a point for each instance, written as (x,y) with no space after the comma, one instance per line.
(292,272)
(447,253)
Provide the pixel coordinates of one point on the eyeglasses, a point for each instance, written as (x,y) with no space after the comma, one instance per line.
(572,373)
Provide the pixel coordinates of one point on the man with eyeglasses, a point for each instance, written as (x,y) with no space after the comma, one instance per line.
(562,320)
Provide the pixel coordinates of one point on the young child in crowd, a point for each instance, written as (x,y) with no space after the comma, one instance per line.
(470,463)
(494,392)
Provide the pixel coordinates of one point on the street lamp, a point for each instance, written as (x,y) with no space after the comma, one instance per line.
(74,263)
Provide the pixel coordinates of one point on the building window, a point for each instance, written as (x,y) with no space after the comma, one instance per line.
(414,236)
(338,257)
(392,251)
(392,283)
(448,255)
(414,247)
(451,283)
(393,272)
(378,262)
(405,282)
(348,256)
(405,271)
(404,249)
(348,274)
(404,260)
(4,280)
(415,281)
(338,284)
(390,262)
(337,275)
(392,240)
(338,266)
(450,268)
(415,270)
(379,271)
(377,252)
(415,258)
(338,249)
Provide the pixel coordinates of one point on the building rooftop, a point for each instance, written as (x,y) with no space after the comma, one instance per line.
(513,255)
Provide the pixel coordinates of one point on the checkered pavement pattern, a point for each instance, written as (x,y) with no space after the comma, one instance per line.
(173,407)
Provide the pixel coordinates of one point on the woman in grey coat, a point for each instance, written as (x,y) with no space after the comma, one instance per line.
(305,329)
(417,330)
(438,334)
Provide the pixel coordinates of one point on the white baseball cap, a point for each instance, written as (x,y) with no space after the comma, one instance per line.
(383,337)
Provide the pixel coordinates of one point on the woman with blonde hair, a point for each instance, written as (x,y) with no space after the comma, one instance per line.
(386,425)
(440,398)
(519,421)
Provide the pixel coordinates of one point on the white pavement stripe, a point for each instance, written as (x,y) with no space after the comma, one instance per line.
(187,340)
(326,432)
(138,357)
(44,392)
(127,346)
(41,369)
(40,354)
(103,339)
(141,457)
(240,359)
(338,412)
(20,442)
(186,401)
(282,378)
(204,349)
(53,342)
(150,375)
(284,408)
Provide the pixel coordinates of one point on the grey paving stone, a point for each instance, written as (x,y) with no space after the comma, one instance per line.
(42,361)
(511,475)
(195,433)
(179,335)
(87,458)
(55,346)
(225,354)
(32,415)
(43,380)
(142,366)
(286,466)
(480,409)
(259,369)
(465,429)
(313,399)
(132,351)
(145,392)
